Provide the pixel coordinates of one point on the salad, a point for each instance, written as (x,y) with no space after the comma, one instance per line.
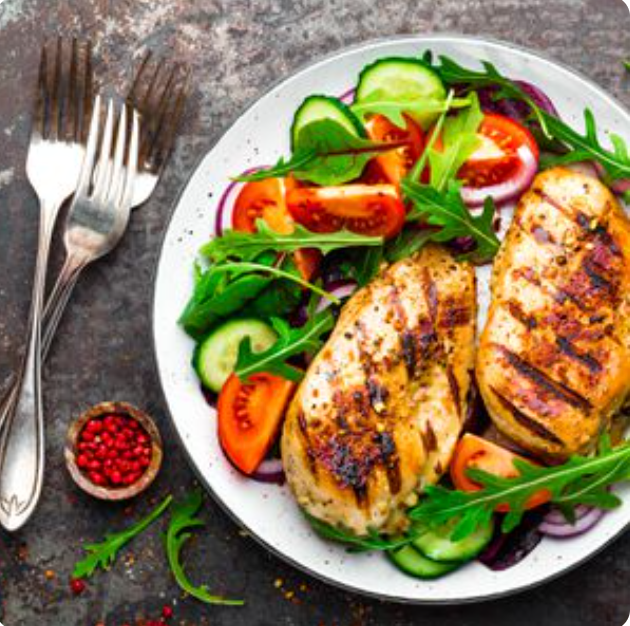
(422,154)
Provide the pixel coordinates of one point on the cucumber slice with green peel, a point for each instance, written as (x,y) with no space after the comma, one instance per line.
(401,79)
(414,563)
(436,543)
(317,108)
(215,357)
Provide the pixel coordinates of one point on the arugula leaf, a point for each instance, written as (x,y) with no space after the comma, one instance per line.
(182,519)
(408,242)
(454,74)
(626,64)
(460,140)
(394,110)
(216,296)
(448,211)
(326,153)
(372,542)
(363,264)
(291,342)
(248,246)
(240,268)
(581,480)
(587,147)
(282,168)
(102,555)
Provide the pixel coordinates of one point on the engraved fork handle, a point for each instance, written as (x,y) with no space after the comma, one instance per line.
(21,416)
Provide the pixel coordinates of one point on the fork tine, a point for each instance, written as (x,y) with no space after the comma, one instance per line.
(117,178)
(39,118)
(71,118)
(88,90)
(132,161)
(156,115)
(55,108)
(87,167)
(133,97)
(103,176)
(166,138)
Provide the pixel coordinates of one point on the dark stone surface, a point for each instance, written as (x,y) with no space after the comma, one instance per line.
(237,49)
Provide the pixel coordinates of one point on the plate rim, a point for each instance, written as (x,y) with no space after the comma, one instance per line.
(276,552)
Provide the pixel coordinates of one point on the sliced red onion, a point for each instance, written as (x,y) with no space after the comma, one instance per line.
(556,516)
(566,530)
(348,96)
(270,471)
(513,108)
(508,190)
(227,196)
(340,289)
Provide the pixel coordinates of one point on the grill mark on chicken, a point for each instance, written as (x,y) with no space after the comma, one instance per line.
(578,218)
(566,347)
(535,427)
(516,311)
(376,397)
(541,380)
(454,387)
(429,439)
(455,314)
(430,294)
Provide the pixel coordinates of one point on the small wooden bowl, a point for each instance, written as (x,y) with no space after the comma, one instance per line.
(113,493)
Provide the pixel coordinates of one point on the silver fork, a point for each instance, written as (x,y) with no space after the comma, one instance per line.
(159,95)
(56,150)
(97,221)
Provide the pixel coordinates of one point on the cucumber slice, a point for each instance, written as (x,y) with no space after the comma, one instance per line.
(436,544)
(412,562)
(215,357)
(401,79)
(316,108)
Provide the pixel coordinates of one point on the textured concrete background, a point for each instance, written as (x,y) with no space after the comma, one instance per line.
(237,48)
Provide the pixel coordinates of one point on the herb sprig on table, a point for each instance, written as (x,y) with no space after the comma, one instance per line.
(102,555)
(183,519)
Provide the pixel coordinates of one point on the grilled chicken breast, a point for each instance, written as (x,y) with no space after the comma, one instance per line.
(553,363)
(382,405)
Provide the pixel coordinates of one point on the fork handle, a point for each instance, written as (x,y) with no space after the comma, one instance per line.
(58,299)
(21,415)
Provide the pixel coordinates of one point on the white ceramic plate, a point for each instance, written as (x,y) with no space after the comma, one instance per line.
(269,513)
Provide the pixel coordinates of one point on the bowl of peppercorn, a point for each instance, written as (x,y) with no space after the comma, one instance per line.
(113,451)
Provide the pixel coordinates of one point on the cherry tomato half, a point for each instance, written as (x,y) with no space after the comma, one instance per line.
(473,452)
(250,415)
(504,164)
(392,167)
(265,199)
(367,209)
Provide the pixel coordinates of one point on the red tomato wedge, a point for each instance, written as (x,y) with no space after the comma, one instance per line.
(250,416)
(503,166)
(367,209)
(474,452)
(265,199)
(392,167)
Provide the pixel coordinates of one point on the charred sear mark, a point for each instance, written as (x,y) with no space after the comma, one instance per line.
(301,418)
(524,420)
(389,457)
(541,380)
(516,311)
(378,395)
(454,387)
(579,218)
(566,347)
(352,456)
(454,313)
(429,439)
(342,410)
(597,280)
(408,341)
(607,241)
